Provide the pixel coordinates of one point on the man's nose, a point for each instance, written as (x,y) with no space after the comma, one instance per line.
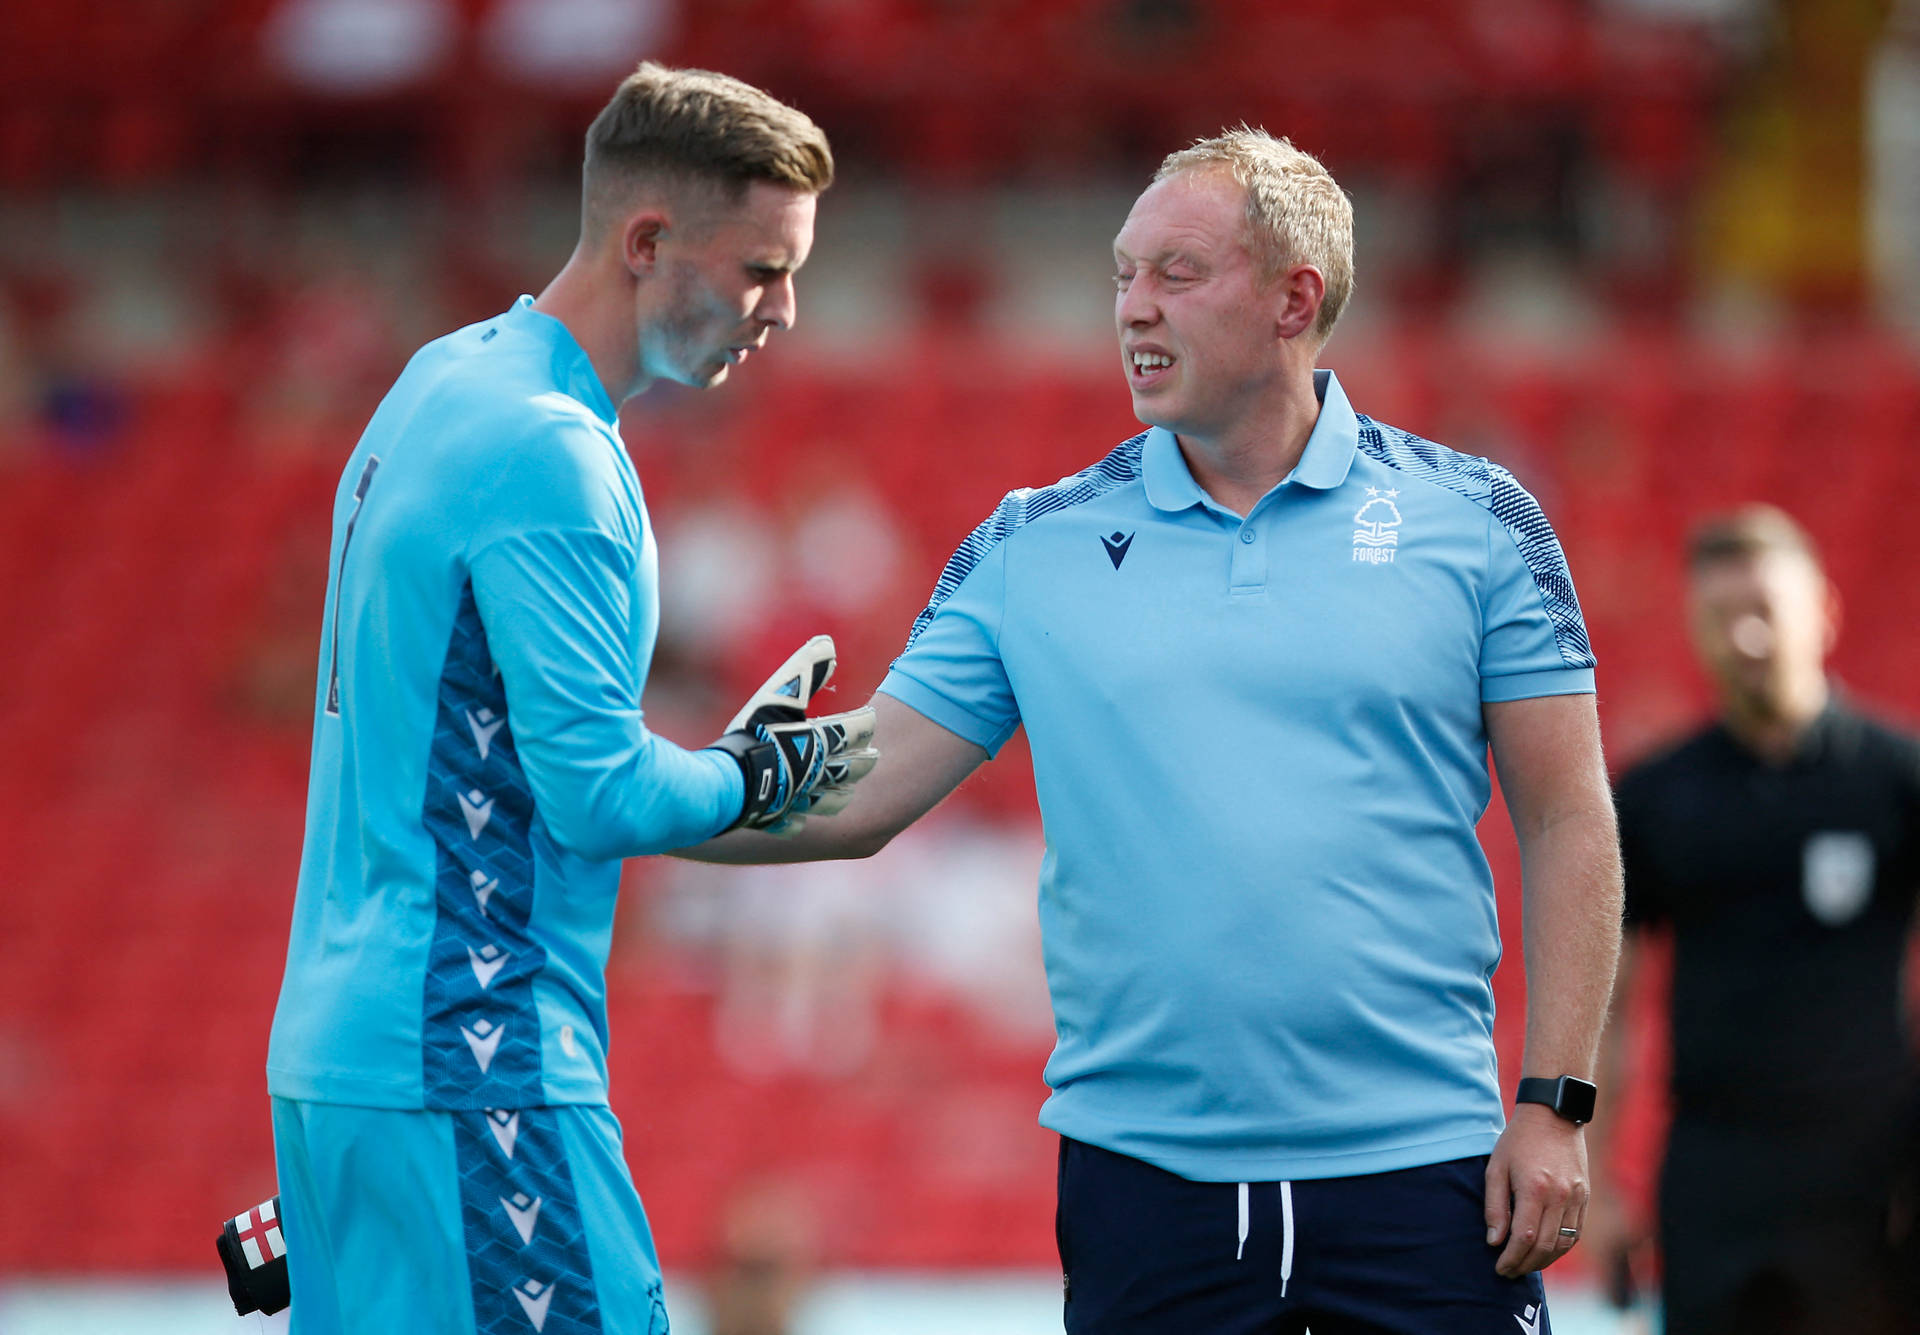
(1136,304)
(779,305)
(1751,636)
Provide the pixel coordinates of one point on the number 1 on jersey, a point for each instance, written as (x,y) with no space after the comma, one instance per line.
(340,579)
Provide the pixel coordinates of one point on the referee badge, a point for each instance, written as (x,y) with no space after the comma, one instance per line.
(1837,875)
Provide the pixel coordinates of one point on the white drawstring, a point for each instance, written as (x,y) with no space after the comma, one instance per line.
(1286,1232)
(1286,1235)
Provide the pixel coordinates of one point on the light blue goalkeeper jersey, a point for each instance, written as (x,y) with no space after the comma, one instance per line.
(480,760)
(1260,755)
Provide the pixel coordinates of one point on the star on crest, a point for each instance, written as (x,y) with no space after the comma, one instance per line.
(1390,493)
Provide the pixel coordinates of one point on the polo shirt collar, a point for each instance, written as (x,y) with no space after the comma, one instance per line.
(1323,465)
(573,371)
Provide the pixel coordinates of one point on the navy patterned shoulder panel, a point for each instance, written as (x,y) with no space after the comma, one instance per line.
(1494,489)
(1022,507)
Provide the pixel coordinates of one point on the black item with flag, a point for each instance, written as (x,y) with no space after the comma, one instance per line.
(254,1252)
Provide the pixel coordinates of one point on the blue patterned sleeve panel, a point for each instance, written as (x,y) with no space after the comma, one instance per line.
(1534,636)
(1022,507)
(950,670)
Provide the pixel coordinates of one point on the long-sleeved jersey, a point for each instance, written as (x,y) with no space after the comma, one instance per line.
(480,760)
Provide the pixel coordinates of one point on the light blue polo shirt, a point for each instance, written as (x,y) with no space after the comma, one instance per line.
(1268,925)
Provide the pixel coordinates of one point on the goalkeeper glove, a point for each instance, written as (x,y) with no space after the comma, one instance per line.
(797,766)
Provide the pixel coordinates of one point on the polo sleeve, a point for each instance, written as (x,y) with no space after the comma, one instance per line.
(1533,637)
(951,671)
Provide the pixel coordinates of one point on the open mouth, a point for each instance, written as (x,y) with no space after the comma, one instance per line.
(1146,368)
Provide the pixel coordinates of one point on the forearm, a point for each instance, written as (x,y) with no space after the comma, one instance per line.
(1616,1069)
(1571,904)
(653,797)
(886,802)
(819,839)
(920,763)
(1548,753)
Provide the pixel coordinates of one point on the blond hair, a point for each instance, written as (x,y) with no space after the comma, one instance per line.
(1296,212)
(696,127)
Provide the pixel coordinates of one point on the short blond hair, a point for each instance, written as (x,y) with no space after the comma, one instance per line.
(1296,212)
(696,127)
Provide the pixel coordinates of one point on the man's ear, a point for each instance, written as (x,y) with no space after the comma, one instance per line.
(1297,296)
(640,240)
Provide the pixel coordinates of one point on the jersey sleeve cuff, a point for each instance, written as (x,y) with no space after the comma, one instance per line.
(733,786)
(1530,685)
(922,699)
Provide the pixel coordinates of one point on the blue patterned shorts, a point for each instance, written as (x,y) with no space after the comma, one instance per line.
(492,1222)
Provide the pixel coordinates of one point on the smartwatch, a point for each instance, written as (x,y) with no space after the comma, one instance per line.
(1568,1095)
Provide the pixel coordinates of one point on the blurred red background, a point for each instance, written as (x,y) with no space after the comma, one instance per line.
(1587,264)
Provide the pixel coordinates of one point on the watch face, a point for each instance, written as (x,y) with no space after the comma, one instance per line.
(1575,1102)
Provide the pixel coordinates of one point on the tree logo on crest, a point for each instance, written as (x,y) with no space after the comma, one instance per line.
(1376,534)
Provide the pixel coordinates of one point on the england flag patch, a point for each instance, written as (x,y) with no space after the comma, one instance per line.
(254,1254)
(259,1233)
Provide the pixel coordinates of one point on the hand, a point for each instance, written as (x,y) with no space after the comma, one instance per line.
(795,766)
(1536,1185)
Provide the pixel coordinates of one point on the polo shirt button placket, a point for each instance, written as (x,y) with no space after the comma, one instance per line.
(1249,574)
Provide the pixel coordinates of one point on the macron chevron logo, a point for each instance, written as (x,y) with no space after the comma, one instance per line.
(477,807)
(487,962)
(483,726)
(482,888)
(505,1127)
(524,1213)
(484,1039)
(534,1298)
(1116,546)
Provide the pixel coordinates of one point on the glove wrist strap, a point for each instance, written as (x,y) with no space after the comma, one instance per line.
(759,762)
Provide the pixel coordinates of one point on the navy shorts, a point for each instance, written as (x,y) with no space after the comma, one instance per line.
(1402,1253)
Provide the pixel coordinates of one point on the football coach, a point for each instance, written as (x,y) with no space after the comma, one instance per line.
(1261,651)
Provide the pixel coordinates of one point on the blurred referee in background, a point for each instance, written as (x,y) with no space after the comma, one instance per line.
(1781,847)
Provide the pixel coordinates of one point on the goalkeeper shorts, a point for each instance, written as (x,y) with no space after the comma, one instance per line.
(451,1223)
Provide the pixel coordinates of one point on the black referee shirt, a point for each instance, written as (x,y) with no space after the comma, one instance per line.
(1789,890)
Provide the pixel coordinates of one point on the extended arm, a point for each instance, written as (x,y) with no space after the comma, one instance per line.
(1547,751)
(556,608)
(920,763)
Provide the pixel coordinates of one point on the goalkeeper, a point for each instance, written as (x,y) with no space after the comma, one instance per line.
(447,1161)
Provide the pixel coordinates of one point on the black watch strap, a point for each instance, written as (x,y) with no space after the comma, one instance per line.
(1568,1095)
